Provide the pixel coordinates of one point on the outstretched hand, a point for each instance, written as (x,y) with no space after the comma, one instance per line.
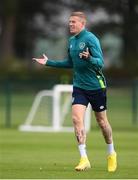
(41,60)
(85,54)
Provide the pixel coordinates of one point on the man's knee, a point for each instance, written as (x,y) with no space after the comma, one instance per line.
(102,123)
(76,120)
(102,120)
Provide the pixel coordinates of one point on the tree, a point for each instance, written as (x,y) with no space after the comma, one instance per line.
(130,35)
(36,18)
(127,27)
(8,18)
(19,28)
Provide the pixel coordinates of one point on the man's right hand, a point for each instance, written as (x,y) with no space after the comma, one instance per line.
(41,60)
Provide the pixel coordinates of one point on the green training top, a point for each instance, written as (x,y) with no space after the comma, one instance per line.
(87,72)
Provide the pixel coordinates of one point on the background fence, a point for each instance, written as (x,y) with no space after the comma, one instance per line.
(16,98)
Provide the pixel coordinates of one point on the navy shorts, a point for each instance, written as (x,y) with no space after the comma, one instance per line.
(97,98)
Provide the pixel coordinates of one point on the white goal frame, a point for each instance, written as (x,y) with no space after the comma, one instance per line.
(56,109)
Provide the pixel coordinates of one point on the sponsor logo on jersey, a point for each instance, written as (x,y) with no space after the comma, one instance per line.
(70,46)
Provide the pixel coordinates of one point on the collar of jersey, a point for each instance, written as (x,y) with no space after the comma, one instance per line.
(80,34)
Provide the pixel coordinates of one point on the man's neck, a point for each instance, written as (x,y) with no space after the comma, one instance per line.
(79,31)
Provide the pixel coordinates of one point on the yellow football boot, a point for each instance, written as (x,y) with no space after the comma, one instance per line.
(84,164)
(112,162)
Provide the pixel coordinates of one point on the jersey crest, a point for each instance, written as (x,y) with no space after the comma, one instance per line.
(82,45)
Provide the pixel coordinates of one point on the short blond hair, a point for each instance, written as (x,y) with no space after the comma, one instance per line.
(79,14)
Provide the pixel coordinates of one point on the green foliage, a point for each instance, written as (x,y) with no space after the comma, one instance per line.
(9,8)
(25,21)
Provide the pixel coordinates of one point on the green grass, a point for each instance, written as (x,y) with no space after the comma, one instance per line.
(23,154)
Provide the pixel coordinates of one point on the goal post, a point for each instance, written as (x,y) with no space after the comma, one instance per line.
(60,111)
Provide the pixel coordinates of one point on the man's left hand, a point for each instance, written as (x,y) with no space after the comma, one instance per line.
(85,54)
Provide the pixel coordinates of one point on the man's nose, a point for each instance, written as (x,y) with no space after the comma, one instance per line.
(70,23)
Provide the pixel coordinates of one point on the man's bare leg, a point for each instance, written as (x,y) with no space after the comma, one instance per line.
(105,126)
(103,122)
(78,112)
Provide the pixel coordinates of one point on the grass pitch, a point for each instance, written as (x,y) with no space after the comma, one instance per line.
(54,155)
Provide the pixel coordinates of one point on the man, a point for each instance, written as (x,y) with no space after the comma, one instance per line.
(86,58)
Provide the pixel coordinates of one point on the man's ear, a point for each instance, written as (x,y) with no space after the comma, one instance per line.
(84,22)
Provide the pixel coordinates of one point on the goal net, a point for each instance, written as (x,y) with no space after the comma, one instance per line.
(51,111)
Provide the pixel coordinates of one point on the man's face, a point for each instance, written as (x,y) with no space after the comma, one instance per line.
(76,24)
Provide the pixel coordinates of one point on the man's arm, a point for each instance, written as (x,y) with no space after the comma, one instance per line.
(96,55)
(67,63)
(93,54)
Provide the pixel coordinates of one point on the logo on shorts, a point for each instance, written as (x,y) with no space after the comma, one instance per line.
(101,107)
(82,45)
